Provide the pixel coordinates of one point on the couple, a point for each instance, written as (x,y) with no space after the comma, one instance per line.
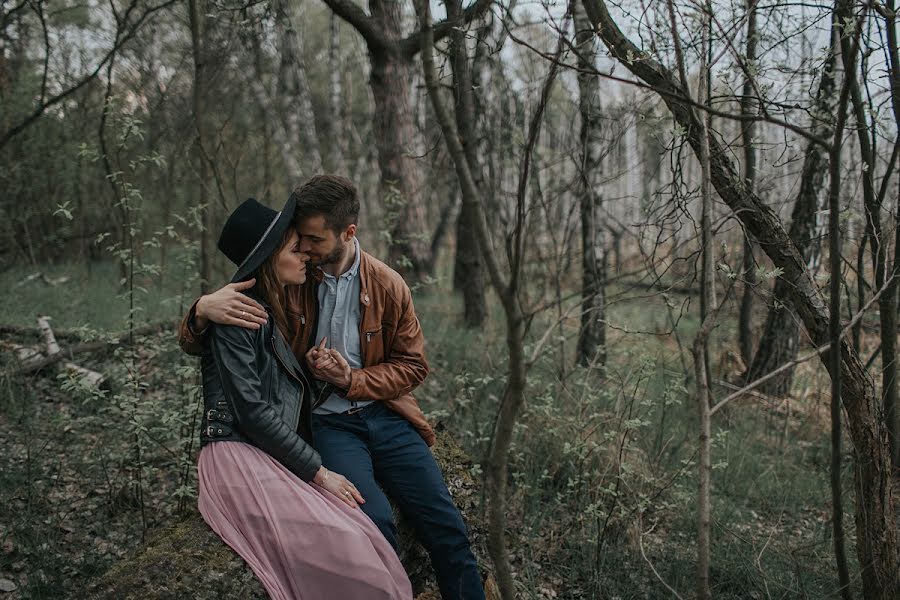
(307,409)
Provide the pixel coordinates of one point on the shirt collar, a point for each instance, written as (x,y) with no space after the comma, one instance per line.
(354,270)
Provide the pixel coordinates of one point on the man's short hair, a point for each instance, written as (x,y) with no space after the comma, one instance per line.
(332,196)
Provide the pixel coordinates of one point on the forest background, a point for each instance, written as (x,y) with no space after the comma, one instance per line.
(634,231)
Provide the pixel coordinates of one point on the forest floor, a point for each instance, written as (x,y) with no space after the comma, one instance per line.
(603,474)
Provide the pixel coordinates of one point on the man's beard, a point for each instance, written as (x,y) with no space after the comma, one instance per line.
(333,257)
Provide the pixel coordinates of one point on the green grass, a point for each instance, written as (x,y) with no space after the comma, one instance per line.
(93,297)
(598,468)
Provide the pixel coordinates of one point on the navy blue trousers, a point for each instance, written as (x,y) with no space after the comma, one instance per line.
(378,446)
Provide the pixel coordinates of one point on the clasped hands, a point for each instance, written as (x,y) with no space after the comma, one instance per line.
(228,306)
(328,365)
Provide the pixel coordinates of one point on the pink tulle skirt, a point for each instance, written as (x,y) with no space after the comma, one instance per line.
(301,542)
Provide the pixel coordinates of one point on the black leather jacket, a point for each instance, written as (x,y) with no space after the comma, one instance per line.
(254,391)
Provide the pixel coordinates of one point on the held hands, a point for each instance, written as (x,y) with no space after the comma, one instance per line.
(327,364)
(339,486)
(228,306)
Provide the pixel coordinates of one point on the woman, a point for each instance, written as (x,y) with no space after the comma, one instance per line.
(263,488)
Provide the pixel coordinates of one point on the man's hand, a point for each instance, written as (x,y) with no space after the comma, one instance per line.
(228,306)
(328,365)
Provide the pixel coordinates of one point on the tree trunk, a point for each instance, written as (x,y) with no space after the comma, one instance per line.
(876,526)
(842,12)
(295,104)
(336,133)
(591,350)
(468,268)
(199,108)
(780,340)
(700,347)
(394,132)
(391,58)
(748,129)
(401,179)
(889,321)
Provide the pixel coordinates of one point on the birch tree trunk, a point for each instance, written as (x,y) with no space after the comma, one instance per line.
(294,98)
(591,350)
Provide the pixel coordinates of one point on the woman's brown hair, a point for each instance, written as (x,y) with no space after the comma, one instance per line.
(271,289)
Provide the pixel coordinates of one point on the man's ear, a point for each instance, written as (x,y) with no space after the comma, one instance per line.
(350,232)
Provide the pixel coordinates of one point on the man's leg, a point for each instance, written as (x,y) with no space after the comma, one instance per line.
(406,468)
(341,442)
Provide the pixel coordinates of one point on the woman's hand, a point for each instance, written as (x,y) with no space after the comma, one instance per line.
(228,306)
(340,486)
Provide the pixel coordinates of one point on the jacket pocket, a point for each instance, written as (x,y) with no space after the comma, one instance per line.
(372,342)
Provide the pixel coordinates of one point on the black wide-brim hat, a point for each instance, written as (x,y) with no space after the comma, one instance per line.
(252,233)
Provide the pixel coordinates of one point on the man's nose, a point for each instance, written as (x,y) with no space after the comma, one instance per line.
(305,246)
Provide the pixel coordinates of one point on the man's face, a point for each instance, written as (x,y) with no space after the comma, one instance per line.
(320,242)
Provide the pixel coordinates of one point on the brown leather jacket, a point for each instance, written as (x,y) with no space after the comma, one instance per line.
(391,340)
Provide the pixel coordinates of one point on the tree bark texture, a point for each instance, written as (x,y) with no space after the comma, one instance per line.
(876,526)
(591,349)
(336,133)
(394,130)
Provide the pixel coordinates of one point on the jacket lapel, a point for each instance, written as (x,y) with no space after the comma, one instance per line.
(285,354)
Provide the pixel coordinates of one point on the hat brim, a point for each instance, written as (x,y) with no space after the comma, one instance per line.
(269,243)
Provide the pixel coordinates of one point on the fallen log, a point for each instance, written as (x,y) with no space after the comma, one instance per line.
(87,377)
(78,334)
(188,560)
(87,347)
(25,355)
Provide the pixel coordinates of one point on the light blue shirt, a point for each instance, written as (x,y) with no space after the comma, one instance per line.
(339,322)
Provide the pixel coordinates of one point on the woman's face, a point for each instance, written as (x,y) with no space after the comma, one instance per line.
(290,263)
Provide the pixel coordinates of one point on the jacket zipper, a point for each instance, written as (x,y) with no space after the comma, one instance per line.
(293,376)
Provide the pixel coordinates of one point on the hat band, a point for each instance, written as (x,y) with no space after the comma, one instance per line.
(261,240)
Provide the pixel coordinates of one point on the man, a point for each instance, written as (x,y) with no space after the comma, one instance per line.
(354,324)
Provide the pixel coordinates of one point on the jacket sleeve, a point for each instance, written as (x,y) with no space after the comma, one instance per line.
(234,353)
(404,365)
(191,341)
